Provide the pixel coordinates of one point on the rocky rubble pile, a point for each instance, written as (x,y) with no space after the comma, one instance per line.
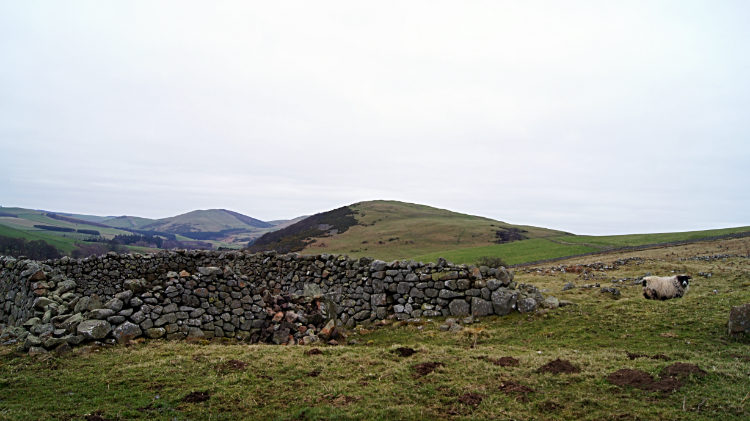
(264,297)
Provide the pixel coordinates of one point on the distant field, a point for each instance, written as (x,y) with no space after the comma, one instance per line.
(640,239)
(64,244)
(512,253)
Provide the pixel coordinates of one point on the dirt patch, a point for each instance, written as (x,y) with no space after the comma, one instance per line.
(682,370)
(231,365)
(518,390)
(261,376)
(314,351)
(196,397)
(632,378)
(643,381)
(633,356)
(424,369)
(472,399)
(505,362)
(559,366)
(405,352)
(314,373)
(339,400)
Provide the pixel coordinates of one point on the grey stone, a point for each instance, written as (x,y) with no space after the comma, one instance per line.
(480,307)
(311,290)
(138,286)
(551,303)
(101,314)
(504,301)
(447,294)
(124,296)
(114,304)
(94,329)
(459,308)
(739,319)
(115,320)
(210,271)
(527,305)
(156,332)
(138,317)
(126,332)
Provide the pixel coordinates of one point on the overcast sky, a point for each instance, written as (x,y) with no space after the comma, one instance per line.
(591,117)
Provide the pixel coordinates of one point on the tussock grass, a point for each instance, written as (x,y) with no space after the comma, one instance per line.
(150,380)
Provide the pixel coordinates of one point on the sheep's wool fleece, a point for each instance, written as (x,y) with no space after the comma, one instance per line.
(663,288)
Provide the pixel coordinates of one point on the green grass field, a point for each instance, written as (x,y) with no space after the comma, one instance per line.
(640,239)
(512,253)
(369,381)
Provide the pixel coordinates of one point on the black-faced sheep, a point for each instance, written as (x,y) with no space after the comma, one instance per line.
(665,287)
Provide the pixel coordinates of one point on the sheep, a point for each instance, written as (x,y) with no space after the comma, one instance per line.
(665,287)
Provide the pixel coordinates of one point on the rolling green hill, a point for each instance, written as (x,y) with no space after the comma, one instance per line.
(391,230)
(132,222)
(212,220)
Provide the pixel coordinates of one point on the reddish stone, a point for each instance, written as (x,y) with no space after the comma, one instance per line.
(278,316)
(38,276)
(201,292)
(302,329)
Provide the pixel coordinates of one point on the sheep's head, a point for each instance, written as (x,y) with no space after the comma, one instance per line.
(684,280)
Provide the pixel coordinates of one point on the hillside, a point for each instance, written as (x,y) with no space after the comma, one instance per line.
(211,220)
(132,222)
(391,230)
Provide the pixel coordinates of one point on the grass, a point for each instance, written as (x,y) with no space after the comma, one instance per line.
(368,381)
(512,253)
(640,239)
(62,243)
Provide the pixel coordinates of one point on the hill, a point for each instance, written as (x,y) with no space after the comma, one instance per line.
(391,230)
(133,222)
(211,220)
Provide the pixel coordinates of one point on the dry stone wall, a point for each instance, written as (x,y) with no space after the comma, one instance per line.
(263,297)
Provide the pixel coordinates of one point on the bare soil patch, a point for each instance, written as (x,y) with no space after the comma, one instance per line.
(633,356)
(682,370)
(644,381)
(559,366)
(314,373)
(405,352)
(424,369)
(196,397)
(505,362)
(314,351)
(472,399)
(518,390)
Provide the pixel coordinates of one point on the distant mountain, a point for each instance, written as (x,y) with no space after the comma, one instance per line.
(132,222)
(211,220)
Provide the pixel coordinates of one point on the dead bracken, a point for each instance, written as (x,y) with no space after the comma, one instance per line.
(314,351)
(472,399)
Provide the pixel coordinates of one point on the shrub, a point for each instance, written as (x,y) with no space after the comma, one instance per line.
(37,249)
(491,261)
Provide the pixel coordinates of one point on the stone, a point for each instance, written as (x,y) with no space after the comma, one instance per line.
(311,290)
(36,350)
(184,274)
(115,320)
(551,303)
(31,323)
(101,314)
(156,332)
(613,292)
(447,294)
(377,300)
(124,296)
(38,276)
(527,305)
(94,329)
(63,349)
(210,271)
(568,286)
(310,339)
(42,302)
(94,303)
(201,292)
(195,335)
(71,323)
(126,332)
(739,319)
(64,287)
(459,308)
(138,317)
(32,341)
(138,286)
(503,301)
(480,307)
(327,330)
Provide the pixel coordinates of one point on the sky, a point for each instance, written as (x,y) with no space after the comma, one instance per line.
(593,117)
